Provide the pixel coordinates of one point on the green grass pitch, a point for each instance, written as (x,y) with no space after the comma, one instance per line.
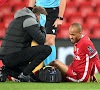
(9,85)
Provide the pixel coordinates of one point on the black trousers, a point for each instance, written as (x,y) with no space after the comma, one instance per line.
(19,61)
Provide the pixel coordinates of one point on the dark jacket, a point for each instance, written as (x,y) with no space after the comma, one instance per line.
(21,31)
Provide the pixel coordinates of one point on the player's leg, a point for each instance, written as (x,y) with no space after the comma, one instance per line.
(51,33)
(5,71)
(39,55)
(65,70)
(61,66)
(35,55)
(50,40)
(36,59)
(26,55)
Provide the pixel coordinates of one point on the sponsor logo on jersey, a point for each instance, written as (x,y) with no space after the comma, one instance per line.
(74,72)
(89,48)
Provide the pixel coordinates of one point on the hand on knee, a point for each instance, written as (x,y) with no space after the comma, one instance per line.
(56,62)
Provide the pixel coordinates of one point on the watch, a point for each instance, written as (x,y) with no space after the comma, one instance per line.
(61,18)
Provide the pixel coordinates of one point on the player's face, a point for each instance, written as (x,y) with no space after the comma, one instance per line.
(74,35)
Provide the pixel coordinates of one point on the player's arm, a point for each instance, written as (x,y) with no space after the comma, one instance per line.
(93,70)
(31,4)
(92,53)
(33,29)
(62,6)
(92,75)
(96,60)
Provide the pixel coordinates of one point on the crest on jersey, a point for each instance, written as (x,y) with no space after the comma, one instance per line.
(89,48)
(77,50)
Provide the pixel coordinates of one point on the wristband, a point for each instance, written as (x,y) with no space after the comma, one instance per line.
(61,18)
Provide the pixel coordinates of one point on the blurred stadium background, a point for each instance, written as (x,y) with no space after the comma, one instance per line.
(85,12)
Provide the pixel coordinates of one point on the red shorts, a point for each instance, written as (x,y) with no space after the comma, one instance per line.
(72,76)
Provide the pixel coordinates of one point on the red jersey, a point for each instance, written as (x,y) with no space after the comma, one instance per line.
(84,51)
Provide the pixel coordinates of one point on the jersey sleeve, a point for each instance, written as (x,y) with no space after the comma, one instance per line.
(90,49)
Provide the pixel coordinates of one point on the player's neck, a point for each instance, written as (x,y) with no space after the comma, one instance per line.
(82,35)
(80,38)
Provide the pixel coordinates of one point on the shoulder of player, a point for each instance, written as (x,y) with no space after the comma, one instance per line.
(86,41)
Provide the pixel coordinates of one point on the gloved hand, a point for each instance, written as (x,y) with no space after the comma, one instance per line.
(42,20)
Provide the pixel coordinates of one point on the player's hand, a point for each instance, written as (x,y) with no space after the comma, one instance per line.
(51,63)
(42,20)
(93,79)
(54,62)
(58,22)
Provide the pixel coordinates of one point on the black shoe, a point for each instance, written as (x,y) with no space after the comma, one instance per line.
(27,78)
(3,74)
(24,78)
(33,77)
